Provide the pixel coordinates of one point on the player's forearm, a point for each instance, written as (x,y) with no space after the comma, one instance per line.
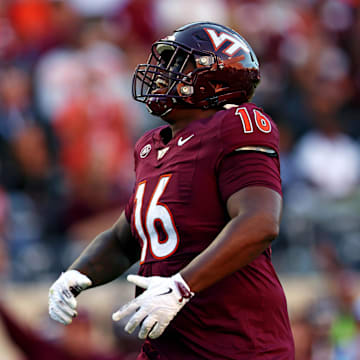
(108,255)
(101,260)
(242,240)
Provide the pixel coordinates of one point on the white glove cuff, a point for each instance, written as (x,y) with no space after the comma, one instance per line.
(76,281)
(182,288)
(71,273)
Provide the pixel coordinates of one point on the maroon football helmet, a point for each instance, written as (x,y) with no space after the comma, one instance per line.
(201,65)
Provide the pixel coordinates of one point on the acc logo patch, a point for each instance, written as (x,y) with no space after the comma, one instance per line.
(145,151)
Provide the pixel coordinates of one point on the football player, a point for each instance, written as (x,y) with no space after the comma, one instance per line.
(205,208)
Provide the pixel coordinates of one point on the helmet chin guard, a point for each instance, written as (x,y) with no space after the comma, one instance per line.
(201,65)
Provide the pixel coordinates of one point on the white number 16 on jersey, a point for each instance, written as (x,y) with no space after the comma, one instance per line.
(156,211)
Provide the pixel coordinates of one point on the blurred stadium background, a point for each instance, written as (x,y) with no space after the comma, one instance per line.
(68,124)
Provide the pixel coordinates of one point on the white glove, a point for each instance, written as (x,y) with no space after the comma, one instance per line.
(157,306)
(62,302)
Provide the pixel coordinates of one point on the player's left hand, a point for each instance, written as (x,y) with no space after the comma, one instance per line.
(157,306)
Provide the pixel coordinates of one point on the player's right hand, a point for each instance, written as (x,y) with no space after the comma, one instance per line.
(62,302)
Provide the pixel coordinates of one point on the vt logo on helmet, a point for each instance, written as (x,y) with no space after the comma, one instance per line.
(201,65)
(219,39)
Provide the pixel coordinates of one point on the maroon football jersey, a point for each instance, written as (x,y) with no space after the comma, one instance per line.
(179,207)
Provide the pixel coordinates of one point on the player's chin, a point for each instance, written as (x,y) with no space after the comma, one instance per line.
(169,118)
(161,106)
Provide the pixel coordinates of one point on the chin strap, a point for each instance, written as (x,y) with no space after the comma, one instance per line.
(218,100)
(162,107)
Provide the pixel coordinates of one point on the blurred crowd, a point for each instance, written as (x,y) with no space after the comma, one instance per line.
(68,125)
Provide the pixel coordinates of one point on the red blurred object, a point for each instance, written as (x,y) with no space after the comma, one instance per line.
(31,19)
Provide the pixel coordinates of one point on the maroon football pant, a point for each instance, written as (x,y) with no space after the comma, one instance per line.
(148,353)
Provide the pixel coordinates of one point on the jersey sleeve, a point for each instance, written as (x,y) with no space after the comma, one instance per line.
(139,148)
(241,170)
(130,204)
(129,208)
(244,130)
(247,125)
